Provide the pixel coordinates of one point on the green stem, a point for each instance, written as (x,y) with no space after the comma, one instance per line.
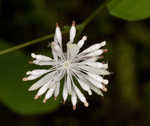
(95,13)
(91,17)
(26,44)
(84,24)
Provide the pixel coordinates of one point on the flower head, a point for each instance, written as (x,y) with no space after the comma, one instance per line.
(70,65)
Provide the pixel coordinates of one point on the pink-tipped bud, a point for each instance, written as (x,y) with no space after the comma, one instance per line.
(64,102)
(57,24)
(74,107)
(73,23)
(86,104)
(105,50)
(36,97)
(104,89)
(81,42)
(101,57)
(58,35)
(44,101)
(72,32)
(55,98)
(24,79)
(30,62)
(84,38)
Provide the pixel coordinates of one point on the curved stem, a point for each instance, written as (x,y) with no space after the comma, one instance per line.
(25,44)
(80,27)
(91,17)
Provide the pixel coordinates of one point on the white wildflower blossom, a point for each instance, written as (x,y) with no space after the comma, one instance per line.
(72,65)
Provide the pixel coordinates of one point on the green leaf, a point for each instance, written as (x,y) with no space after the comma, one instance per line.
(13,92)
(132,10)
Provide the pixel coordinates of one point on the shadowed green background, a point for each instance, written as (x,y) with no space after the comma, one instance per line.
(128,40)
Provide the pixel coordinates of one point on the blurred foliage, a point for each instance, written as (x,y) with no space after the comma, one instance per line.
(126,80)
(12,91)
(126,103)
(132,10)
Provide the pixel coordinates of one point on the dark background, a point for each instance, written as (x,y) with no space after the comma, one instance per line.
(128,99)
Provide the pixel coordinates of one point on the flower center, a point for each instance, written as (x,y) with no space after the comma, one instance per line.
(66,64)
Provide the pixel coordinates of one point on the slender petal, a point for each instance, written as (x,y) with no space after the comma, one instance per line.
(68,83)
(95,53)
(81,42)
(43,89)
(58,35)
(41,82)
(84,86)
(80,96)
(37,72)
(56,93)
(94,47)
(96,64)
(65,91)
(74,99)
(72,32)
(41,57)
(48,94)
(41,63)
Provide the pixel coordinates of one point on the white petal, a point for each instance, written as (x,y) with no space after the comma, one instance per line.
(97,83)
(96,77)
(103,72)
(43,89)
(65,91)
(96,90)
(69,83)
(37,72)
(73,98)
(93,59)
(95,53)
(99,71)
(31,77)
(94,82)
(72,50)
(57,49)
(96,64)
(59,75)
(105,81)
(41,82)
(94,47)
(49,93)
(56,93)
(91,80)
(58,36)
(80,96)
(81,42)
(41,57)
(72,32)
(84,86)
(54,55)
(43,63)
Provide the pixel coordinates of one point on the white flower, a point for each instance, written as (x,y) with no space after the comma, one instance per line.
(72,65)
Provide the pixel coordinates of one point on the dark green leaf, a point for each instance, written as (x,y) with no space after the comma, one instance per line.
(13,92)
(131,10)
